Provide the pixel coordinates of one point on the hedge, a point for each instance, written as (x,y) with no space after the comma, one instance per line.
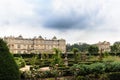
(8,67)
(95,68)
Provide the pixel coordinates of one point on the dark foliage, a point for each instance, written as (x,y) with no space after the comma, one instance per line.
(93,50)
(81,47)
(8,67)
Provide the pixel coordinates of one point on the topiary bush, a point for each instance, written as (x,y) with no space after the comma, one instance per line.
(8,67)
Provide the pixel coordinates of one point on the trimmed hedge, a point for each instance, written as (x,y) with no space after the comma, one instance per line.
(26,55)
(95,68)
(104,76)
(8,67)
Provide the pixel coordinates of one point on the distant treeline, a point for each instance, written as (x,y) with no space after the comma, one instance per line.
(84,47)
(81,47)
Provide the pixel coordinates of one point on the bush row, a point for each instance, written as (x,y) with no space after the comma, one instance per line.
(104,76)
(38,55)
(54,73)
(95,68)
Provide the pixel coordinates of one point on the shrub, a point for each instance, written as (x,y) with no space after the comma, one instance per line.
(80,69)
(26,75)
(47,74)
(113,67)
(80,78)
(8,67)
(20,62)
(83,69)
(114,76)
(104,77)
(105,54)
(97,68)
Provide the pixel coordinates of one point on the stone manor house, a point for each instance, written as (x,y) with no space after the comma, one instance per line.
(103,46)
(34,45)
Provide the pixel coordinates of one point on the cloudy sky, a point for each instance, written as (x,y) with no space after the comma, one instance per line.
(87,21)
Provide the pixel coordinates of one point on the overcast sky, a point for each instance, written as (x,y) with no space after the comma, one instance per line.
(87,21)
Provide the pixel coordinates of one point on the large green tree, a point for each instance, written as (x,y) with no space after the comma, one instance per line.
(116,47)
(93,49)
(8,67)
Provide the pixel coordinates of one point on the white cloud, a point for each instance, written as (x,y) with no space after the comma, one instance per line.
(11,11)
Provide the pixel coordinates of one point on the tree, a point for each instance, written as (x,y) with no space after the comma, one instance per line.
(8,67)
(75,50)
(68,48)
(93,49)
(33,60)
(115,48)
(82,47)
(57,59)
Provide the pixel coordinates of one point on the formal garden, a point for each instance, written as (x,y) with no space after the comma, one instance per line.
(77,66)
(72,65)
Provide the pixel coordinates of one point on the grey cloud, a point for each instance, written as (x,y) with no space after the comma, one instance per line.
(72,20)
